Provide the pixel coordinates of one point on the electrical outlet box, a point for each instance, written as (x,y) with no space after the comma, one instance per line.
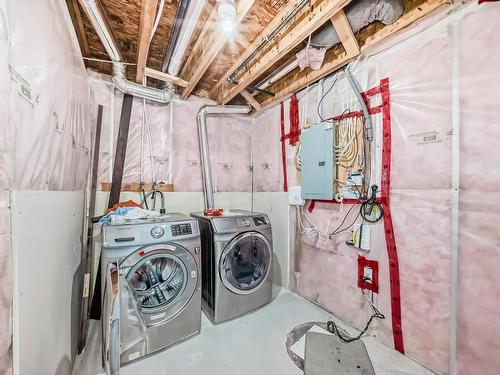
(367,269)
(295,196)
(361,236)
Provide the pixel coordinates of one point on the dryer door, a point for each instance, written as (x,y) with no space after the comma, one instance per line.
(161,280)
(245,262)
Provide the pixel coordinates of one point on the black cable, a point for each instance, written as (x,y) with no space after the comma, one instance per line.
(332,327)
(323,97)
(347,227)
(343,221)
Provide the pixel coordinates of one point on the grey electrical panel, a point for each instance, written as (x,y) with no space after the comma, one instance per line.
(317,161)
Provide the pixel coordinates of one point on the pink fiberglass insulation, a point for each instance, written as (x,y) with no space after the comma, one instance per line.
(479,233)
(266,156)
(174,141)
(455,58)
(44,134)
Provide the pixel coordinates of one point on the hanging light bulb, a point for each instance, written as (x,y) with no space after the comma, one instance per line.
(227,13)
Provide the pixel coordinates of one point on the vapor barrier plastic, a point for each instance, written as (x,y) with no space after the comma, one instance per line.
(174,135)
(45,130)
(444,83)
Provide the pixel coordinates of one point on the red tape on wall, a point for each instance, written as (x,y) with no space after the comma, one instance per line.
(390,239)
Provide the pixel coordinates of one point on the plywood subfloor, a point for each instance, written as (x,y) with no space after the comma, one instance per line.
(252,344)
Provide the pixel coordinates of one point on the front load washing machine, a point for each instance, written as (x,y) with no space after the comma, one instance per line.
(151,287)
(237,263)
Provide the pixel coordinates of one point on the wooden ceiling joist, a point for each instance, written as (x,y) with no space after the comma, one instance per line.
(345,33)
(148,14)
(165,77)
(271,26)
(296,80)
(80,29)
(206,48)
(251,100)
(316,18)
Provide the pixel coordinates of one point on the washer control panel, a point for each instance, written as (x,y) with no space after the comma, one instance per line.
(181,229)
(157,232)
(243,222)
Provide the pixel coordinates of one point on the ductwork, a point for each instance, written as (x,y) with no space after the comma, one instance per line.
(359,14)
(203,137)
(96,16)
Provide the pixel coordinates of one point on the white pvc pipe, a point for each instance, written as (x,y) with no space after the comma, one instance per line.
(203,137)
(193,13)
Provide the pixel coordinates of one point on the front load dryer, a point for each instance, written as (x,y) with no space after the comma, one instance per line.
(237,263)
(151,287)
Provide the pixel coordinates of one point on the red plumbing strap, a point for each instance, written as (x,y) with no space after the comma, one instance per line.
(397,329)
(283,148)
(294,121)
(385,108)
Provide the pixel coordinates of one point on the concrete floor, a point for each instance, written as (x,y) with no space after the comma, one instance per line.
(251,345)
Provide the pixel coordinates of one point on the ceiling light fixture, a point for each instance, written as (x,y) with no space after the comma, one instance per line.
(227,13)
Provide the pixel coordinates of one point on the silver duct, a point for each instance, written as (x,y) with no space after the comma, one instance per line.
(360,14)
(203,137)
(96,16)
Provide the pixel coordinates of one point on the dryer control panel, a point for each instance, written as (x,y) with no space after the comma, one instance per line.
(181,229)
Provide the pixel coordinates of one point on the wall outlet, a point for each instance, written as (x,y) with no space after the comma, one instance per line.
(295,196)
(367,269)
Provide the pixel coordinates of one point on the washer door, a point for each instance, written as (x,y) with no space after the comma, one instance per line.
(245,263)
(161,280)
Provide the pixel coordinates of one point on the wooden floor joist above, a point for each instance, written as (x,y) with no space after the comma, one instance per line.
(148,14)
(208,45)
(297,33)
(337,57)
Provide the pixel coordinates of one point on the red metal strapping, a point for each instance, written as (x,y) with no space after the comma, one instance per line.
(385,108)
(397,329)
(294,134)
(283,148)
(313,202)
(363,284)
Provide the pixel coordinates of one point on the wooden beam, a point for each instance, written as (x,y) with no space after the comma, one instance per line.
(165,77)
(251,100)
(148,14)
(271,26)
(80,29)
(206,48)
(344,31)
(320,14)
(334,60)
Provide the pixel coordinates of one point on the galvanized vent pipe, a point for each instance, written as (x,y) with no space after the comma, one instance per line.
(96,16)
(203,137)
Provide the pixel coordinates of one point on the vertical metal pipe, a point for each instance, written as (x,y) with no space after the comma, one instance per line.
(204,150)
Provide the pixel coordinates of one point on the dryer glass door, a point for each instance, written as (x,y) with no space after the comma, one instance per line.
(245,262)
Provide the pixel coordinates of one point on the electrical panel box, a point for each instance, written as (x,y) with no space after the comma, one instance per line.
(317,161)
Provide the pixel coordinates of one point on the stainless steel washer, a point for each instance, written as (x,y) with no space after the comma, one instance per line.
(237,263)
(151,287)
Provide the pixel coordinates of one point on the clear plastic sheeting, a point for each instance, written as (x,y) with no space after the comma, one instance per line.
(174,142)
(444,87)
(45,133)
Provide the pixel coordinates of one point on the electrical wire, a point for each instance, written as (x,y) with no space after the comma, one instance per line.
(323,97)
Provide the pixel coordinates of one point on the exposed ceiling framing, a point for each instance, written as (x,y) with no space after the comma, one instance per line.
(207,46)
(148,15)
(212,57)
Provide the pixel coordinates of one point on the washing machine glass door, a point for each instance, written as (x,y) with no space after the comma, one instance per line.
(245,262)
(162,280)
